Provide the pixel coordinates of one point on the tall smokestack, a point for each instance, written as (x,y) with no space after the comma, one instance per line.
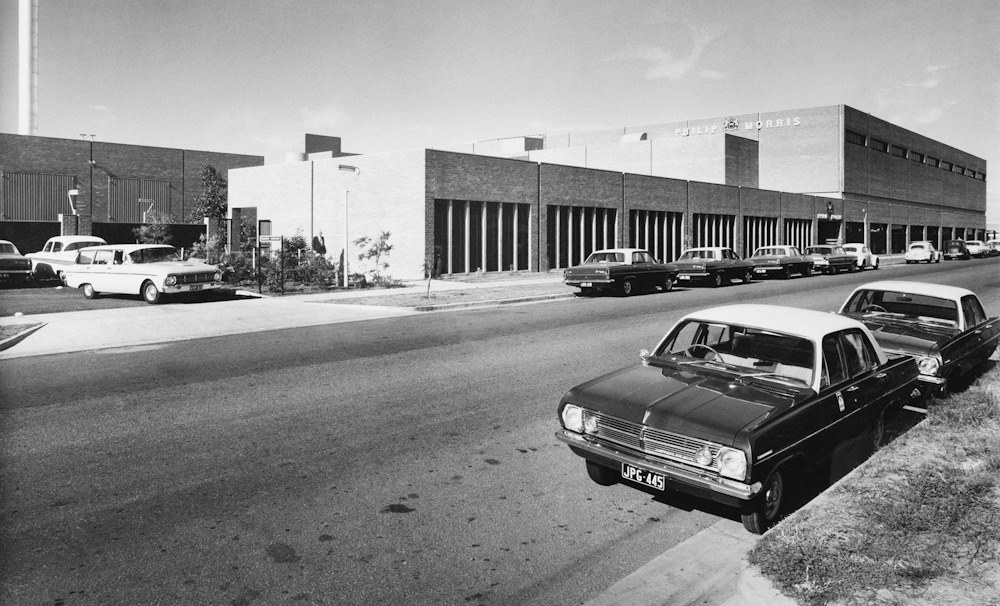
(27,42)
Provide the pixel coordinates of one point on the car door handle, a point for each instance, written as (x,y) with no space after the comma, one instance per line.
(881,375)
(852,388)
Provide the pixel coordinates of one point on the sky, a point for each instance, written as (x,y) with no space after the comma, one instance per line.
(253,76)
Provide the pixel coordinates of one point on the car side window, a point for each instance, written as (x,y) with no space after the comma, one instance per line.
(103,257)
(833,365)
(56,246)
(973,311)
(857,352)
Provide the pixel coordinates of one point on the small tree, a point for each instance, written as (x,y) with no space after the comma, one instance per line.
(375,250)
(214,198)
(156,230)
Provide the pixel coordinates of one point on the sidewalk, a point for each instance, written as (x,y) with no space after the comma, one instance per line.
(708,568)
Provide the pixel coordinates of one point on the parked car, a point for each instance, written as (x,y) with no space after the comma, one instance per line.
(943,327)
(715,265)
(993,247)
(780,261)
(58,253)
(150,270)
(863,256)
(830,259)
(977,248)
(15,268)
(956,249)
(922,251)
(736,404)
(623,270)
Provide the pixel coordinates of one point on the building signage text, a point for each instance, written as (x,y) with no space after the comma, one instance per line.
(732,124)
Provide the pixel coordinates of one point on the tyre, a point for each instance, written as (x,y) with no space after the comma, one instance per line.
(150,293)
(61,275)
(605,476)
(852,268)
(668,284)
(717,279)
(875,264)
(747,276)
(786,273)
(628,286)
(878,432)
(764,509)
(88,291)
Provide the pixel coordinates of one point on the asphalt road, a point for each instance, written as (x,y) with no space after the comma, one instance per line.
(408,460)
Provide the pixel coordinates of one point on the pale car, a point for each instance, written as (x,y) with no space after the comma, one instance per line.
(149,270)
(944,328)
(781,262)
(58,253)
(923,251)
(864,257)
(737,404)
(14,267)
(977,248)
(993,248)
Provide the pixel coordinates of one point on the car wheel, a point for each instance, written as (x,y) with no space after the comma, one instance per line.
(150,293)
(875,264)
(605,476)
(747,276)
(786,273)
(852,268)
(763,511)
(61,275)
(938,260)
(668,284)
(88,291)
(628,287)
(717,279)
(878,432)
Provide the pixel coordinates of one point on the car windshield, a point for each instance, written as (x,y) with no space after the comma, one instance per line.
(8,249)
(606,257)
(762,252)
(154,255)
(79,245)
(819,250)
(698,254)
(896,304)
(748,352)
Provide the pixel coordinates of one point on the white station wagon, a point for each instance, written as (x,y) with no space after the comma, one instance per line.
(150,270)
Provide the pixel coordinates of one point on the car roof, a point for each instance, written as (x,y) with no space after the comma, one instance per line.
(619,250)
(707,248)
(808,323)
(68,239)
(918,288)
(128,247)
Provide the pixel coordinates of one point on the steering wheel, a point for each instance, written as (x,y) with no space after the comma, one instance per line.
(874,307)
(715,354)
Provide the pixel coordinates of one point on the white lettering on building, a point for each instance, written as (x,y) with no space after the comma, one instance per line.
(731,124)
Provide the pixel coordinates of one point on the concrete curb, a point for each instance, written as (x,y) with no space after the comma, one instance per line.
(12,341)
(492,302)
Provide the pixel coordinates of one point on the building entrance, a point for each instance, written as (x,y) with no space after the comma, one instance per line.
(828,231)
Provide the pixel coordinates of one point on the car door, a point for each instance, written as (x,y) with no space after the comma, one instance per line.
(98,271)
(641,268)
(869,390)
(979,337)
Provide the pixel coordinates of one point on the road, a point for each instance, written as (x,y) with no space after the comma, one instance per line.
(407,460)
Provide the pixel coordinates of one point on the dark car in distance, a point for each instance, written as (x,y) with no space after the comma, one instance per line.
(622,270)
(714,265)
(956,249)
(736,404)
(944,328)
(780,262)
(15,268)
(831,259)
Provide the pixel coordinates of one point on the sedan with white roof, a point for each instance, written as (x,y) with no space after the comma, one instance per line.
(736,404)
(58,253)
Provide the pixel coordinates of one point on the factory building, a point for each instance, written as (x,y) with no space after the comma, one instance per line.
(544,202)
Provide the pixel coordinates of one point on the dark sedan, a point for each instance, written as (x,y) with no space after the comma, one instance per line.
(15,268)
(944,328)
(624,270)
(736,404)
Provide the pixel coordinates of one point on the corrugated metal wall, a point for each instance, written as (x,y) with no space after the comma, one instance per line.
(35,196)
(128,199)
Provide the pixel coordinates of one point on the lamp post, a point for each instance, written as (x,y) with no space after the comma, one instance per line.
(347,193)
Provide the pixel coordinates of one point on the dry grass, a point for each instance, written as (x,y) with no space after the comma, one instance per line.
(918,524)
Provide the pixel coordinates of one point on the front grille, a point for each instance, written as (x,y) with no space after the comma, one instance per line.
(654,442)
(196,278)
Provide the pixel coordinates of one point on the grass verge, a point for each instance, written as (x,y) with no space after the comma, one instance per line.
(918,524)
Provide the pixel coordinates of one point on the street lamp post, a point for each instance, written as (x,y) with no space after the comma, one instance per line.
(347,193)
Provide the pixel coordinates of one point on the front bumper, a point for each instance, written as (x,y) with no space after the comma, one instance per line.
(686,480)
(179,288)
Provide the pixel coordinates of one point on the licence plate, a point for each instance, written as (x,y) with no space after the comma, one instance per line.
(196,287)
(586,284)
(683,277)
(760,271)
(641,476)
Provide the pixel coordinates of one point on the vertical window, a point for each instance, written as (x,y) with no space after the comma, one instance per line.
(973,310)
(899,152)
(857,352)
(917,157)
(878,145)
(933,161)
(854,138)
(833,366)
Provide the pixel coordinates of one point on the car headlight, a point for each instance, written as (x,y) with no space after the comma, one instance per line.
(170,281)
(732,463)
(928,365)
(572,418)
(218,276)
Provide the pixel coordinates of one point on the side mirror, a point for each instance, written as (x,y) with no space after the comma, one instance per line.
(644,355)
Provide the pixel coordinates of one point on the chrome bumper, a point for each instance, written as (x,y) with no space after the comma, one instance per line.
(730,488)
(930,379)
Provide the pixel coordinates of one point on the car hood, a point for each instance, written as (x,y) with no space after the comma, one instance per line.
(181,266)
(681,401)
(908,336)
(592,267)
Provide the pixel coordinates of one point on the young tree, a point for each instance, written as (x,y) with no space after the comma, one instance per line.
(214,198)
(156,230)
(375,250)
